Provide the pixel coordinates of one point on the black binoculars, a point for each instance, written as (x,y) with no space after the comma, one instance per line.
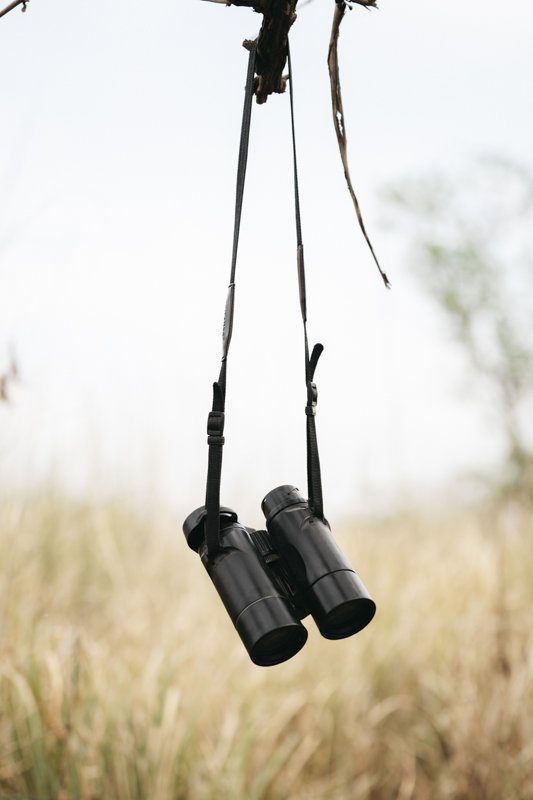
(270,580)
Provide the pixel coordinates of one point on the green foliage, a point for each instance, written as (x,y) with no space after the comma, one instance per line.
(471,249)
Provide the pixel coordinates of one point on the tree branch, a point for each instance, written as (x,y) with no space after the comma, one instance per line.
(13,5)
(10,375)
(278,17)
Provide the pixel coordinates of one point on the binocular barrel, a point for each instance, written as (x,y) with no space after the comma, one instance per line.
(264,618)
(333,593)
(269,580)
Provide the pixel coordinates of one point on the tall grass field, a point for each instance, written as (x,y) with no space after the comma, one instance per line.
(122,678)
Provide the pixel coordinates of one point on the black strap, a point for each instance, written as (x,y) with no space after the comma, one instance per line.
(215,424)
(314,479)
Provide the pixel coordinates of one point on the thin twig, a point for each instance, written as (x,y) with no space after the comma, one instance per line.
(13,5)
(338,117)
(7,378)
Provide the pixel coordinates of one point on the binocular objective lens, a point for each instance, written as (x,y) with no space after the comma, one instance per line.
(278,646)
(348,618)
(341,605)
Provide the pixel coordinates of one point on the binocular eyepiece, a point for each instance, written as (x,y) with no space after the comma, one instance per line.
(270,580)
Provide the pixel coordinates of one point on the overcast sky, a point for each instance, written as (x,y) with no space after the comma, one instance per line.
(119,127)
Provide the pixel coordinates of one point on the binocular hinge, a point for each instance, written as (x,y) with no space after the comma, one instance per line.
(263,543)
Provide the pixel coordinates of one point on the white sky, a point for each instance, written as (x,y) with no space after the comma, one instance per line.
(119,127)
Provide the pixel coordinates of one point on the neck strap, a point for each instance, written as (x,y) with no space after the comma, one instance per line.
(216,419)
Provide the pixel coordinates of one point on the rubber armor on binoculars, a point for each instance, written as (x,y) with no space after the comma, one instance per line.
(270,580)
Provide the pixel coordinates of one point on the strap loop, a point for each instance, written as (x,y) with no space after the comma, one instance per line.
(318,349)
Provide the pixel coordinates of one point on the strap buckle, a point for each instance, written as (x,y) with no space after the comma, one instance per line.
(312,399)
(215,427)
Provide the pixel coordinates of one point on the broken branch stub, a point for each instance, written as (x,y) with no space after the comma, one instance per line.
(272,48)
(278,18)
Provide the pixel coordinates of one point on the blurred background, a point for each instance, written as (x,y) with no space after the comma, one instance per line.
(120,675)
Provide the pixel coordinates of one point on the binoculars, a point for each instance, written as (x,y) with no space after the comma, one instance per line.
(272,579)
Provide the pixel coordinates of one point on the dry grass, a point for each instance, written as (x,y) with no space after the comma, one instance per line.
(121,676)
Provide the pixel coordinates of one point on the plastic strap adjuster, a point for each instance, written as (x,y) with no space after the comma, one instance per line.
(215,427)
(312,399)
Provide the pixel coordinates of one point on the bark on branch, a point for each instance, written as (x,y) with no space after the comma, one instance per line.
(278,18)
